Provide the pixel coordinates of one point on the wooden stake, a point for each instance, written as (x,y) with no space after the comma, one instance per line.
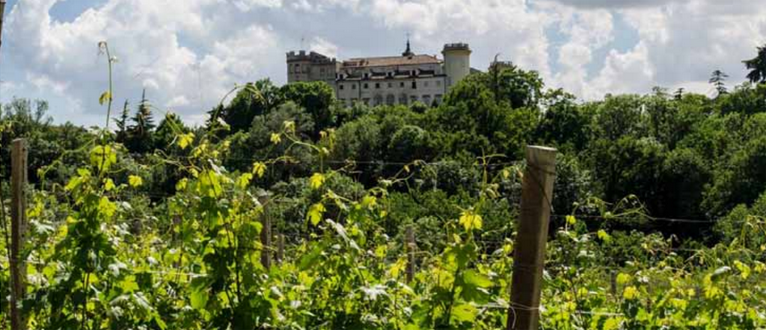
(18,230)
(532,235)
(280,248)
(266,242)
(2,16)
(409,247)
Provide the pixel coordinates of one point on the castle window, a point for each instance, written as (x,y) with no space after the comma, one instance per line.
(401,84)
(414,85)
(377,85)
(390,85)
(353,86)
(341,86)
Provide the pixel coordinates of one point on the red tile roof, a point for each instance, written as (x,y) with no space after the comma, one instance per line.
(390,61)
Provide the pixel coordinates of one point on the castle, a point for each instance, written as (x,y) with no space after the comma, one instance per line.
(385,80)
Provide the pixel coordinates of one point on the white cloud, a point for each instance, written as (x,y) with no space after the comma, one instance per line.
(145,36)
(247,5)
(587,31)
(510,27)
(44,82)
(628,72)
(178,101)
(601,4)
(324,47)
(688,40)
(189,53)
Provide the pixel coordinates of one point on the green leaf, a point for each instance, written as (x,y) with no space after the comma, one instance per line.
(199,299)
(106,97)
(109,184)
(184,140)
(102,157)
(244,180)
(107,207)
(571,220)
(309,260)
(476,279)
(129,284)
(276,138)
(316,181)
(602,235)
(315,213)
(259,169)
(135,181)
(470,220)
(463,313)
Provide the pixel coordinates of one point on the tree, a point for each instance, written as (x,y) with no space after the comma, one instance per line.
(718,79)
(679,94)
(255,99)
(140,138)
(518,87)
(630,166)
(122,124)
(740,180)
(143,118)
(167,130)
(564,124)
(410,143)
(757,67)
(316,98)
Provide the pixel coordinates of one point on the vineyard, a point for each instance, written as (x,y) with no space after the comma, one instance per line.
(197,261)
(310,232)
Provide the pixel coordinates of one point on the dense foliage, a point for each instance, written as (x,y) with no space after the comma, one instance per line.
(658,213)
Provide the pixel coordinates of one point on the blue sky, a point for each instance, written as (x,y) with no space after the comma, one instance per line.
(188,53)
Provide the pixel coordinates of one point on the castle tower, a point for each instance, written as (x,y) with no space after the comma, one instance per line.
(298,66)
(457,62)
(312,66)
(408,52)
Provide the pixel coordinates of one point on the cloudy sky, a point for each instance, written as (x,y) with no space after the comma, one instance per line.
(189,53)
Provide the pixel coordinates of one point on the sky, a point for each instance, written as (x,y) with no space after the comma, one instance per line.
(188,54)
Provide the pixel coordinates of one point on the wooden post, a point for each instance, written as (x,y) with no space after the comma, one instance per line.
(280,248)
(532,235)
(409,247)
(613,283)
(18,230)
(2,16)
(266,242)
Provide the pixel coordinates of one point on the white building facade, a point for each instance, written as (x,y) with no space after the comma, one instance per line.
(387,80)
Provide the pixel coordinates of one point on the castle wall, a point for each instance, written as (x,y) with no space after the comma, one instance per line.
(392,90)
